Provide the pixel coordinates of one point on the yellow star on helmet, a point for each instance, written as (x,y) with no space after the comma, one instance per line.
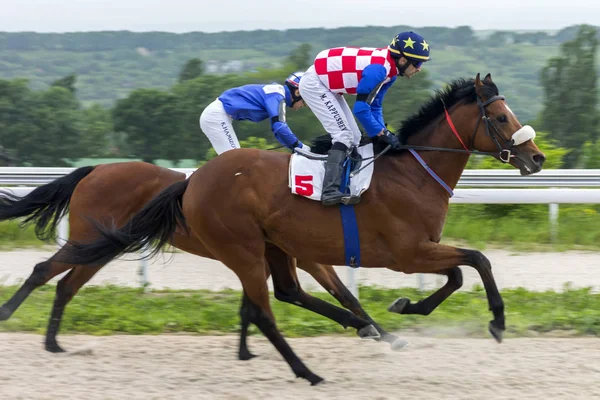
(394,41)
(425,45)
(409,43)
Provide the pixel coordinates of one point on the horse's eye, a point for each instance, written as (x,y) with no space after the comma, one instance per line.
(502,119)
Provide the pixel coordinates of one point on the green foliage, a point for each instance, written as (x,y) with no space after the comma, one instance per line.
(109,310)
(191,70)
(150,118)
(68,82)
(591,154)
(109,65)
(570,111)
(300,58)
(157,86)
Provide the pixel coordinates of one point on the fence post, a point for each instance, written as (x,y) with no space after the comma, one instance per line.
(143,270)
(553,216)
(62,231)
(352,281)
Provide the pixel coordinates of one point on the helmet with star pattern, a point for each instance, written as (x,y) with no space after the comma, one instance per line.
(410,45)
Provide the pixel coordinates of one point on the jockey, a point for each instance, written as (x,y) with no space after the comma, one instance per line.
(254,102)
(367,73)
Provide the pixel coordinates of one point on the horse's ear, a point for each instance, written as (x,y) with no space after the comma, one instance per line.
(478,81)
(488,78)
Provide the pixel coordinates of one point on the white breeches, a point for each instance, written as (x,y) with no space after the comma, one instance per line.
(330,108)
(216,125)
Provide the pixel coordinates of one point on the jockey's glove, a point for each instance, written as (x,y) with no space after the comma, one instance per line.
(391,139)
(299,144)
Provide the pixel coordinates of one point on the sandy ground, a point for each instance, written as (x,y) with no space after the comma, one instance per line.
(535,271)
(204,367)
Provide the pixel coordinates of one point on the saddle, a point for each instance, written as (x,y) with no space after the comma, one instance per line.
(307,169)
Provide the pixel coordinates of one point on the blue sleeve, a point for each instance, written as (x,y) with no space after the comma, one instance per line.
(282,131)
(377,104)
(272,101)
(372,76)
(284,134)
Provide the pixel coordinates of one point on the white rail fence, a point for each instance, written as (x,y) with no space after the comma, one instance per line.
(552,187)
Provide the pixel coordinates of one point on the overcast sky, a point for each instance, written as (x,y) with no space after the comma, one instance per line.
(229,15)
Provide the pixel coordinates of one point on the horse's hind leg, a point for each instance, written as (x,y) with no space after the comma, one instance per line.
(246,308)
(330,281)
(66,288)
(41,274)
(427,305)
(260,313)
(287,289)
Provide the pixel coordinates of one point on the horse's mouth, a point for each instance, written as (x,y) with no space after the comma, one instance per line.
(528,168)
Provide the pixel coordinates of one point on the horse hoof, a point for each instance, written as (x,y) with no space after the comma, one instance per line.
(314,379)
(399,344)
(54,348)
(496,331)
(4,313)
(399,305)
(246,355)
(368,332)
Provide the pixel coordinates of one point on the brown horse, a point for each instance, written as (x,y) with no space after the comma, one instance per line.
(239,203)
(115,192)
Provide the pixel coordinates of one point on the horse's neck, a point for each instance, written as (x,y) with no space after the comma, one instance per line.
(448,166)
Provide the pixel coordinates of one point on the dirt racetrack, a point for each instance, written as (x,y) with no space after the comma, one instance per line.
(204,367)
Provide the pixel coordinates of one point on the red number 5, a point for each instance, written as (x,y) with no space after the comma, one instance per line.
(304,186)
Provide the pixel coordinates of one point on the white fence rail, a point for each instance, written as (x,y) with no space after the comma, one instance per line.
(553,187)
(470,178)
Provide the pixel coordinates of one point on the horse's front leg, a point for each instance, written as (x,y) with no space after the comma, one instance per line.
(433,257)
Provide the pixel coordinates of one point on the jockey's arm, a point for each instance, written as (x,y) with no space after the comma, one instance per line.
(377,104)
(369,96)
(275,104)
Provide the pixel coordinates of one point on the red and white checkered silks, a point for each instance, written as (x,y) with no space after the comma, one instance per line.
(340,69)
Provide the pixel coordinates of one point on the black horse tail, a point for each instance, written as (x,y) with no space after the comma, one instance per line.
(153,226)
(45,205)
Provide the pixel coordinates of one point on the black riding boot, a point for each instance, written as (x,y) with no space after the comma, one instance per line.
(331,194)
(334,169)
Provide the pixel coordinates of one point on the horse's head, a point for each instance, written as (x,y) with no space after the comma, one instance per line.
(502,133)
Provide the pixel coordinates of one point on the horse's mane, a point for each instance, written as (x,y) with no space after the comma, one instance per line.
(458,90)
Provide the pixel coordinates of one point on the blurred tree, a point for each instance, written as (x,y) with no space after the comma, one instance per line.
(53,133)
(300,58)
(591,154)
(570,113)
(97,134)
(68,82)
(151,120)
(191,70)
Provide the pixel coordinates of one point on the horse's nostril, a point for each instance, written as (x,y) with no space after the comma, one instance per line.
(539,158)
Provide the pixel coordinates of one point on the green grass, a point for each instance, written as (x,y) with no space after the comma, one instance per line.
(12,235)
(524,227)
(111,310)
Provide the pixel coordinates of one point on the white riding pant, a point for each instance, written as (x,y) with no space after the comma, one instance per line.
(216,125)
(330,108)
